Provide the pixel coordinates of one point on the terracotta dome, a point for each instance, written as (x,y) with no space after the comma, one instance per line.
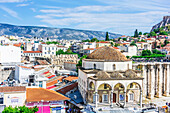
(107,54)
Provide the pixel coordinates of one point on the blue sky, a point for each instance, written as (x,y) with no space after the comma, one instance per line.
(117,16)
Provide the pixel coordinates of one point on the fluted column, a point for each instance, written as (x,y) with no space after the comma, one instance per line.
(159,91)
(167,80)
(151,82)
(96,99)
(144,81)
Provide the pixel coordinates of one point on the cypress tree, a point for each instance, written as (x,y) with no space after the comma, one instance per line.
(136,33)
(107,36)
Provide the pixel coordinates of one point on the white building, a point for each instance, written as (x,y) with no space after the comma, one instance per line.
(106,77)
(32,54)
(10,54)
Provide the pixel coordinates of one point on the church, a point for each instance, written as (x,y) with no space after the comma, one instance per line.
(106,77)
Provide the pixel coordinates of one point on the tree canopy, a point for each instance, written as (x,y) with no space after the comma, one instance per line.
(22,109)
(80,61)
(146,53)
(133,43)
(140,33)
(136,33)
(107,36)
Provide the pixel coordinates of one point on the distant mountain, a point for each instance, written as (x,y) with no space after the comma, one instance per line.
(60,33)
(164,24)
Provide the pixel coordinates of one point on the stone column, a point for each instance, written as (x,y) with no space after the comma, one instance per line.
(125,98)
(159,85)
(111,97)
(141,98)
(167,80)
(151,83)
(144,81)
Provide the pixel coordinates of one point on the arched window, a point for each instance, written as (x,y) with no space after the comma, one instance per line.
(94,66)
(114,67)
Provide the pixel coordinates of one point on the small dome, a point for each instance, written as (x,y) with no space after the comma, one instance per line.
(107,54)
(116,74)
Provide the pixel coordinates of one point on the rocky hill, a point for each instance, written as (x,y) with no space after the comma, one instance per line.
(164,24)
(60,33)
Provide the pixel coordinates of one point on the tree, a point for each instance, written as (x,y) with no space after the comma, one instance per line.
(163,33)
(155,51)
(111,43)
(125,39)
(146,53)
(116,45)
(166,42)
(94,40)
(107,36)
(80,61)
(140,33)
(136,33)
(21,109)
(133,44)
(152,33)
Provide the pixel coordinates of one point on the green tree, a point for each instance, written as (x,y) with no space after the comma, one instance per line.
(155,51)
(136,33)
(140,33)
(152,33)
(166,42)
(163,33)
(116,44)
(111,43)
(146,53)
(94,40)
(80,61)
(125,39)
(107,36)
(133,43)
(21,109)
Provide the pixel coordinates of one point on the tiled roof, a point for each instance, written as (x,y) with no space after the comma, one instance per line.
(42,62)
(70,62)
(32,52)
(66,89)
(55,81)
(38,94)
(17,45)
(71,78)
(25,67)
(13,89)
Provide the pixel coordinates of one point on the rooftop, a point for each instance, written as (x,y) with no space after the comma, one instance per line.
(13,89)
(39,94)
(107,54)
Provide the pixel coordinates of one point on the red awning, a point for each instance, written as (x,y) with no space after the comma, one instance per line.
(51,87)
(51,76)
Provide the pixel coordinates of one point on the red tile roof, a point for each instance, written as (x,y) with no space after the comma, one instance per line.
(38,94)
(17,45)
(71,78)
(13,89)
(66,89)
(32,52)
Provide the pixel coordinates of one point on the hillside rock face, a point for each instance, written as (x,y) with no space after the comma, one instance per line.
(59,33)
(165,22)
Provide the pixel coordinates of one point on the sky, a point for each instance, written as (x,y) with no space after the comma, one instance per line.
(116,16)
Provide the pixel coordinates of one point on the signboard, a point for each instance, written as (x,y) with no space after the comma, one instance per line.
(56,103)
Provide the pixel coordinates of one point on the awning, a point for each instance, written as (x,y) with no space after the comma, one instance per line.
(51,76)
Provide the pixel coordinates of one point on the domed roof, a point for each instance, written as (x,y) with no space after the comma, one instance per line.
(107,54)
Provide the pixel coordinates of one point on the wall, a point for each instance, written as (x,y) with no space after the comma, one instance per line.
(9,54)
(15,99)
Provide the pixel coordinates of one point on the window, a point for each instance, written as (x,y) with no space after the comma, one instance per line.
(52,48)
(105,86)
(114,67)
(94,98)
(45,53)
(40,84)
(94,66)
(45,48)
(105,98)
(131,97)
(52,52)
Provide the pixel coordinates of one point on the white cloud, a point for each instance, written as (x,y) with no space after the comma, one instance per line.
(10,1)
(115,18)
(33,9)
(10,12)
(22,5)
